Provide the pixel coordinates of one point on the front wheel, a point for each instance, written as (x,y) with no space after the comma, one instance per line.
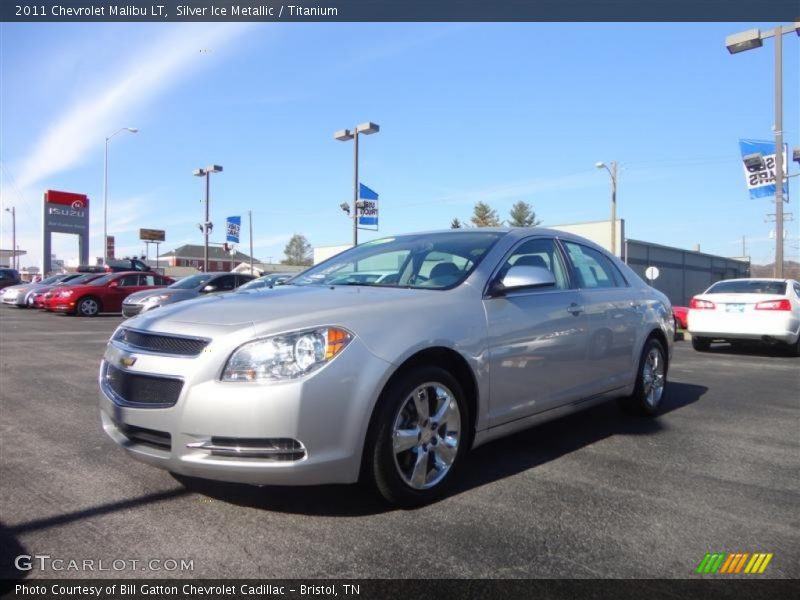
(418,438)
(88,307)
(700,344)
(651,380)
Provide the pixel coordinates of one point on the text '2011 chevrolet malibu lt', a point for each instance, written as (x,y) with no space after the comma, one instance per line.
(456,338)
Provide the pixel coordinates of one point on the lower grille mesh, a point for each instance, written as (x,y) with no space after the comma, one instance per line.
(147,390)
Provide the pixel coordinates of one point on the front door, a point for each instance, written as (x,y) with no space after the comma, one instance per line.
(537,339)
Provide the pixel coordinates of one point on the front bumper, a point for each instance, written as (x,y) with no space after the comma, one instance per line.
(325,414)
(131,310)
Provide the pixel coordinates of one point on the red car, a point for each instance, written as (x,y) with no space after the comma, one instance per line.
(39,297)
(104,294)
(681,314)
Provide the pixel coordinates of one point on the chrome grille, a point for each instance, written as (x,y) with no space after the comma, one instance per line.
(142,390)
(158,342)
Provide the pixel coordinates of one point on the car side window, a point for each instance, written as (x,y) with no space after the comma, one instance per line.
(225,283)
(147,280)
(538,252)
(129,281)
(592,268)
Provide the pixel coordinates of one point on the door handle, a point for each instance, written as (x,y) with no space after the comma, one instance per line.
(574,309)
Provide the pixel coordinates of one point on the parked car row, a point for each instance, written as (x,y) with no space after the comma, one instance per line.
(130,292)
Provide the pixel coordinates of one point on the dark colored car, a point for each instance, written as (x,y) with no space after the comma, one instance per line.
(116,266)
(104,294)
(185,289)
(9,277)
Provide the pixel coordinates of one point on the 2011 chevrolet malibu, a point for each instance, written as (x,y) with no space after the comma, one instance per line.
(480,333)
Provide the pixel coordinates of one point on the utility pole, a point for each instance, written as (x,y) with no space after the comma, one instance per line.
(613,173)
(14,261)
(779,152)
(250,216)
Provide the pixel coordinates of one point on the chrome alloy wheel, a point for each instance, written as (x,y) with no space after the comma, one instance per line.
(653,377)
(425,435)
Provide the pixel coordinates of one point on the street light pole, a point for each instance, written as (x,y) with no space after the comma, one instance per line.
(206,226)
(344,135)
(613,172)
(250,218)
(778,153)
(747,40)
(105,190)
(14,261)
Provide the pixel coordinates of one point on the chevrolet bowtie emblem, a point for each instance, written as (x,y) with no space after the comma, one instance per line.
(127,361)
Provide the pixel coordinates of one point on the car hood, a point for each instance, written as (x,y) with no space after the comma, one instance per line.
(175,295)
(288,307)
(16,287)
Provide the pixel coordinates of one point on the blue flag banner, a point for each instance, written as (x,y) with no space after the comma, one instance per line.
(367,207)
(761,178)
(232,227)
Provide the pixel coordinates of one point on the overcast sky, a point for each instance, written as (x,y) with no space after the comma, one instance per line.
(468,112)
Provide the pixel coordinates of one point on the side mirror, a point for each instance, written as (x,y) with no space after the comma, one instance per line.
(114,283)
(209,288)
(523,277)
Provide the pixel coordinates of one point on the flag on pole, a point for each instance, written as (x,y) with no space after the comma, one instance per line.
(367,207)
(232,228)
(761,178)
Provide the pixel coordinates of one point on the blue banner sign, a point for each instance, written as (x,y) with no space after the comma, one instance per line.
(760,177)
(367,207)
(232,228)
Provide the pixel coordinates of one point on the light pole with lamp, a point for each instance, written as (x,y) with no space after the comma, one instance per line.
(206,226)
(613,172)
(344,135)
(105,190)
(747,40)
(14,261)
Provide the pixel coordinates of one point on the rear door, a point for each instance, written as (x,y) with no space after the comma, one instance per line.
(614,313)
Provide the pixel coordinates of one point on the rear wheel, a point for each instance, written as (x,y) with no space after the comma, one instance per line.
(88,307)
(651,380)
(700,344)
(418,437)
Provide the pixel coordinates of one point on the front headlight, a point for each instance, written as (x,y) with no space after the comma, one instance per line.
(286,356)
(154,299)
(66,293)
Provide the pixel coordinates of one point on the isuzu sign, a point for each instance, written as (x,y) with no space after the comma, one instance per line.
(65,212)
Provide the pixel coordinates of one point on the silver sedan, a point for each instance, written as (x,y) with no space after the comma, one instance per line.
(480,333)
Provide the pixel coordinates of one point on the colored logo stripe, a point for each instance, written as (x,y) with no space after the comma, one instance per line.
(732,563)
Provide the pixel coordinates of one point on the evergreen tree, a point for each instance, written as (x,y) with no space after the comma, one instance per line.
(297,251)
(456,224)
(484,215)
(522,215)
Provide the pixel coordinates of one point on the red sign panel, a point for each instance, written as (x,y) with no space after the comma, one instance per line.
(66,198)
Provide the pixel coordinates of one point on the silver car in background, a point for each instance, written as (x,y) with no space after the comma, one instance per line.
(21,295)
(481,333)
(183,289)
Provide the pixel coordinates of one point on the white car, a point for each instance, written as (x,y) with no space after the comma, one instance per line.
(736,310)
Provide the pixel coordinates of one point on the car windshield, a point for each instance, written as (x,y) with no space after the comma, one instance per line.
(428,261)
(191,282)
(262,282)
(82,279)
(748,286)
(102,280)
(52,279)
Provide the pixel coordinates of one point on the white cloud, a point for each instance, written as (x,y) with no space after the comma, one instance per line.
(84,126)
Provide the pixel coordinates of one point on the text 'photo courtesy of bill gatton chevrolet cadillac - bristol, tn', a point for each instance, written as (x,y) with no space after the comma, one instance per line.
(467,336)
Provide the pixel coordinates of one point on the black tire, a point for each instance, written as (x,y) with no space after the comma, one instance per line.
(794,349)
(641,402)
(382,469)
(88,307)
(701,344)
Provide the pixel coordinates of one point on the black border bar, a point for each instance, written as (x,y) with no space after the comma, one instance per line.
(400,10)
(749,587)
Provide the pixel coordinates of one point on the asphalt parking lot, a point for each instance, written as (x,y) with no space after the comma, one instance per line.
(597,494)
